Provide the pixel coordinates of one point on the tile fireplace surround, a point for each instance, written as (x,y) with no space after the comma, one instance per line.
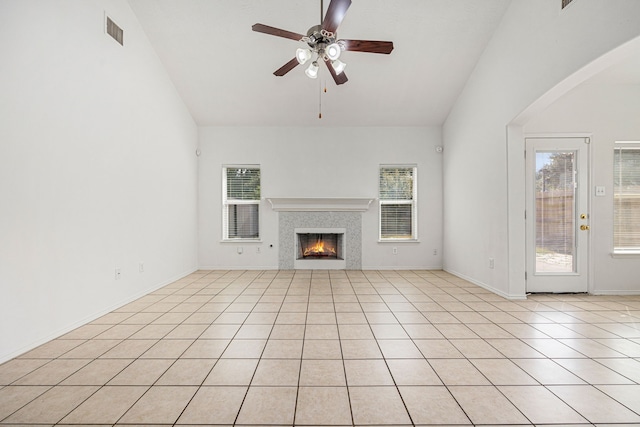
(288,222)
(344,213)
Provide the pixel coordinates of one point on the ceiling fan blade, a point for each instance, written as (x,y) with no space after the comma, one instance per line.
(335,13)
(338,78)
(286,67)
(261,28)
(372,46)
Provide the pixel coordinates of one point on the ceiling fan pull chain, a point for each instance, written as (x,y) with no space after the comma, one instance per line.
(320,100)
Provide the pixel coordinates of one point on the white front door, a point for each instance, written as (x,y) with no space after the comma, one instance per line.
(557,214)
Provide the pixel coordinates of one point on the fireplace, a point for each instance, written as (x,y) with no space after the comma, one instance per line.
(319,245)
(319,248)
(320,215)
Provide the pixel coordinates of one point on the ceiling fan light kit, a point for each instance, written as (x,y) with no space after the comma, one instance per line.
(312,70)
(324,45)
(338,65)
(303,55)
(333,51)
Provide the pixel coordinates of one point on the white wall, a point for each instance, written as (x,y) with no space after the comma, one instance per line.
(320,162)
(535,47)
(609,112)
(97,169)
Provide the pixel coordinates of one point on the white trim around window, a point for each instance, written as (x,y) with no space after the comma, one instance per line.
(241,203)
(397,203)
(626,198)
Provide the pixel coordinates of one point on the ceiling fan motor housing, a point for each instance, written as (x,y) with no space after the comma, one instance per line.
(317,38)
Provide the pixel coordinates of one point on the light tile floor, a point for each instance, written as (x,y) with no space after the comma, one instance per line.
(348,348)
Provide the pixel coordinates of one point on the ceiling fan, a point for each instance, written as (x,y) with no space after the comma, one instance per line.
(323,43)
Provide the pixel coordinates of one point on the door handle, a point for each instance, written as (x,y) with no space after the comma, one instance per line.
(584,227)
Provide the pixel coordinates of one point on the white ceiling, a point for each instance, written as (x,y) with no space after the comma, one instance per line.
(224,71)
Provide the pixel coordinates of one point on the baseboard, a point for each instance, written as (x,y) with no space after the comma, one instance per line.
(401,268)
(236,267)
(486,286)
(615,292)
(369,268)
(62,331)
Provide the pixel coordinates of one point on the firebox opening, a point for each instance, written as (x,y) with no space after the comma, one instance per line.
(319,246)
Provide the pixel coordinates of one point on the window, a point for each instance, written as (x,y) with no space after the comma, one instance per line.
(626,197)
(398,202)
(241,202)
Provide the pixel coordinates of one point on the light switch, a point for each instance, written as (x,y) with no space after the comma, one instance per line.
(600,190)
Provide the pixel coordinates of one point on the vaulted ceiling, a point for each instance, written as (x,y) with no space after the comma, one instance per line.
(224,71)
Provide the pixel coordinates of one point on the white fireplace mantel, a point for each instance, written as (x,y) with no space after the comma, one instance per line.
(319,204)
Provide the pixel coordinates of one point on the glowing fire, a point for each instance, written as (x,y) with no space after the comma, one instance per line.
(319,249)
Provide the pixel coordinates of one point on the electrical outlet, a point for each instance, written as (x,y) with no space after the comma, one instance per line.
(257,249)
(141,267)
(395,251)
(240,250)
(491,263)
(435,252)
(117,274)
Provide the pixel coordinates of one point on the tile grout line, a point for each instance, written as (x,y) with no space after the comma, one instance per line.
(431,366)
(160,376)
(304,333)
(216,362)
(259,358)
(344,368)
(59,384)
(139,358)
(384,358)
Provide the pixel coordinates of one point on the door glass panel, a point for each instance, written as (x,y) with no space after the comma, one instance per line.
(555,211)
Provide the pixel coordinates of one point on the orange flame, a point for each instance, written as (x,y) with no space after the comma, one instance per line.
(319,249)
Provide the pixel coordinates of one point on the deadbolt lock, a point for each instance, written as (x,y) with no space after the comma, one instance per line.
(583,216)
(584,227)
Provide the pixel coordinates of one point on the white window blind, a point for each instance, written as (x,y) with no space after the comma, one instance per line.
(397,196)
(626,198)
(241,202)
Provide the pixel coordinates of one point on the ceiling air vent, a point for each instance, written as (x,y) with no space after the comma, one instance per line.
(114,31)
(565,3)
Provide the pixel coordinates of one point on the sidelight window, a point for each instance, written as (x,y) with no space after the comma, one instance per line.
(626,197)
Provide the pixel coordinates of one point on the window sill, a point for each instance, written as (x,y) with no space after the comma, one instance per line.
(241,241)
(398,241)
(634,254)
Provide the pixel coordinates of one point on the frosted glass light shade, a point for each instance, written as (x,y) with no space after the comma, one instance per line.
(303,55)
(333,51)
(338,66)
(312,70)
